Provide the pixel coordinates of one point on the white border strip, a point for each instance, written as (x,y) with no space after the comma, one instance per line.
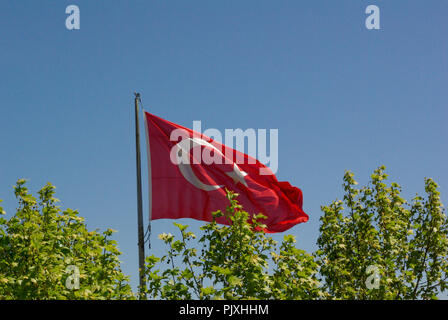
(148,153)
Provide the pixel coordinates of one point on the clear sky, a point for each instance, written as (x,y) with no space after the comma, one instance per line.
(341,96)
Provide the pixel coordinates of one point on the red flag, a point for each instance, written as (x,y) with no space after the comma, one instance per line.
(182,185)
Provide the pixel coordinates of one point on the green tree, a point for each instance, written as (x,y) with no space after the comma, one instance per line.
(374,244)
(233,263)
(43,250)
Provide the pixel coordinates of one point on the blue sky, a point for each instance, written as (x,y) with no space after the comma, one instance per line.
(342,97)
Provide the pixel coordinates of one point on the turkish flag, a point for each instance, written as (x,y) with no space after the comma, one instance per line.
(185,183)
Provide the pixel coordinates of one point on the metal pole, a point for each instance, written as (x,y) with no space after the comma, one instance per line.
(141,243)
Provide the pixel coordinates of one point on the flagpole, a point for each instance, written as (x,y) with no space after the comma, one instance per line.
(141,242)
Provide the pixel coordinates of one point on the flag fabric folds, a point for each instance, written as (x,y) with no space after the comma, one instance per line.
(185,184)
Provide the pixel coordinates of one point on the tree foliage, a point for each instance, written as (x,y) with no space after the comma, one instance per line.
(374,244)
(42,249)
(233,263)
